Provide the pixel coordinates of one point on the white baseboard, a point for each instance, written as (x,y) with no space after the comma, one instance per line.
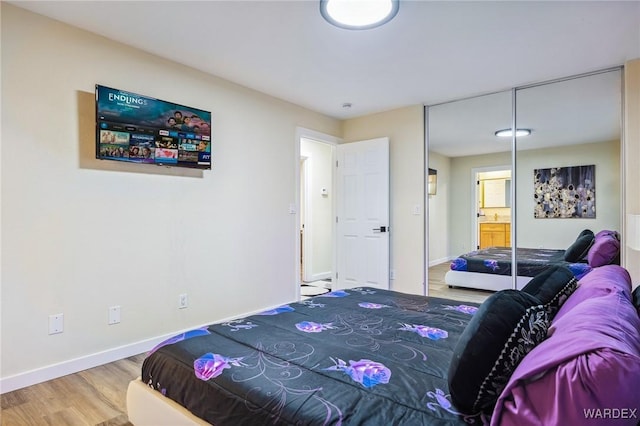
(439,261)
(318,276)
(53,371)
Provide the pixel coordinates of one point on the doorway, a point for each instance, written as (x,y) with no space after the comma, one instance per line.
(492,215)
(357,192)
(317,213)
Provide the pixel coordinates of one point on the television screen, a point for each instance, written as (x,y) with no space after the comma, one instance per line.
(140,129)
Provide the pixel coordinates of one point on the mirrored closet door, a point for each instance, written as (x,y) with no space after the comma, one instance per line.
(483,200)
(469,203)
(568,168)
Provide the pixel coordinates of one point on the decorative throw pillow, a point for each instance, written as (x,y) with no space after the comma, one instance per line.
(579,270)
(552,287)
(636,299)
(580,248)
(507,326)
(605,250)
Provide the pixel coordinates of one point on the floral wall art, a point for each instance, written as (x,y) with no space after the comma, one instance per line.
(565,192)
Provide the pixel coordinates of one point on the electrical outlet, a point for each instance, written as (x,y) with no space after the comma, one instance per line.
(56,323)
(114,315)
(392,274)
(183,301)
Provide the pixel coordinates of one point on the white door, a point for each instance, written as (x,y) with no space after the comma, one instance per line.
(362,250)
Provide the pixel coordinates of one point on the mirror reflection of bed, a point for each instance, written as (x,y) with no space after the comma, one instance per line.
(439,288)
(573,122)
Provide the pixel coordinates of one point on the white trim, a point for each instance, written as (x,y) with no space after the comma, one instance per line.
(307,217)
(318,277)
(441,260)
(302,132)
(425,202)
(53,371)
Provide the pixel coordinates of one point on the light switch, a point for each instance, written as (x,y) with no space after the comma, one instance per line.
(114,315)
(56,323)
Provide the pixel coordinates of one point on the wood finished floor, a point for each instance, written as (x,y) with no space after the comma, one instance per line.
(92,397)
(438,288)
(98,396)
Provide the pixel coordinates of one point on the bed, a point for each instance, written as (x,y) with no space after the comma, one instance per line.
(363,356)
(366,356)
(490,268)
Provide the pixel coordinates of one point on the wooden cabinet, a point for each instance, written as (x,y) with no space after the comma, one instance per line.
(495,235)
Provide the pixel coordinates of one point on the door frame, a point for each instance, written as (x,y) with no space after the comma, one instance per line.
(304,133)
(474,208)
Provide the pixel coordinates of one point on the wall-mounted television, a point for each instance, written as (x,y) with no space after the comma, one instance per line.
(139,129)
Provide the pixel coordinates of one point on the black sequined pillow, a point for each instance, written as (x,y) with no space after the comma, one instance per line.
(553,287)
(506,327)
(636,299)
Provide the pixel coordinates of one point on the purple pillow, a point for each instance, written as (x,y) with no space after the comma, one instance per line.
(590,361)
(605,250)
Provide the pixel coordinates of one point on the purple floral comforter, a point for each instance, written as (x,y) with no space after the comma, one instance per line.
(531,262)
(361,357)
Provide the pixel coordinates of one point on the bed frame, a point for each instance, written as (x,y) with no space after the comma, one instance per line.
(147,407)
(480,281)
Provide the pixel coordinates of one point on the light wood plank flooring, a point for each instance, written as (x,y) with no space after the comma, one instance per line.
(92,397)
(98,396)
(438,288)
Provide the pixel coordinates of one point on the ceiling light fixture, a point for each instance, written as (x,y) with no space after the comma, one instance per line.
(358,14)
(507,133)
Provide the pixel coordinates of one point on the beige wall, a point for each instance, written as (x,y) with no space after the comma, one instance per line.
(405,130)
(80,235)
(461,232)
(550,233)
(439,217)
(561,233)
(632,158)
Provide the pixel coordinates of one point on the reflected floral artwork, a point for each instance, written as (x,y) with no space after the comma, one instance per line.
(565,192)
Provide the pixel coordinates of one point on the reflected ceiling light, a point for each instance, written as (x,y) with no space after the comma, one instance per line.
(507,133)
(358,14)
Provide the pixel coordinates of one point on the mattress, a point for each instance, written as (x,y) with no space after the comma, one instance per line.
(497,260)
(363,356)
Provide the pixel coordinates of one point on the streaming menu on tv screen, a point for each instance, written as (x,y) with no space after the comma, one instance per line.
(140,129)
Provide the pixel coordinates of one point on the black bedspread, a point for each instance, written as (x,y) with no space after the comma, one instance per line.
(497,260)
(358,357)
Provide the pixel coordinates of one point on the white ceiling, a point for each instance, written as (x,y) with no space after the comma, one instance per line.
(568,112)
(431,52)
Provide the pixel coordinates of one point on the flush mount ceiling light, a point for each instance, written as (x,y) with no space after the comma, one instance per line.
(358,14)
(507,133)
